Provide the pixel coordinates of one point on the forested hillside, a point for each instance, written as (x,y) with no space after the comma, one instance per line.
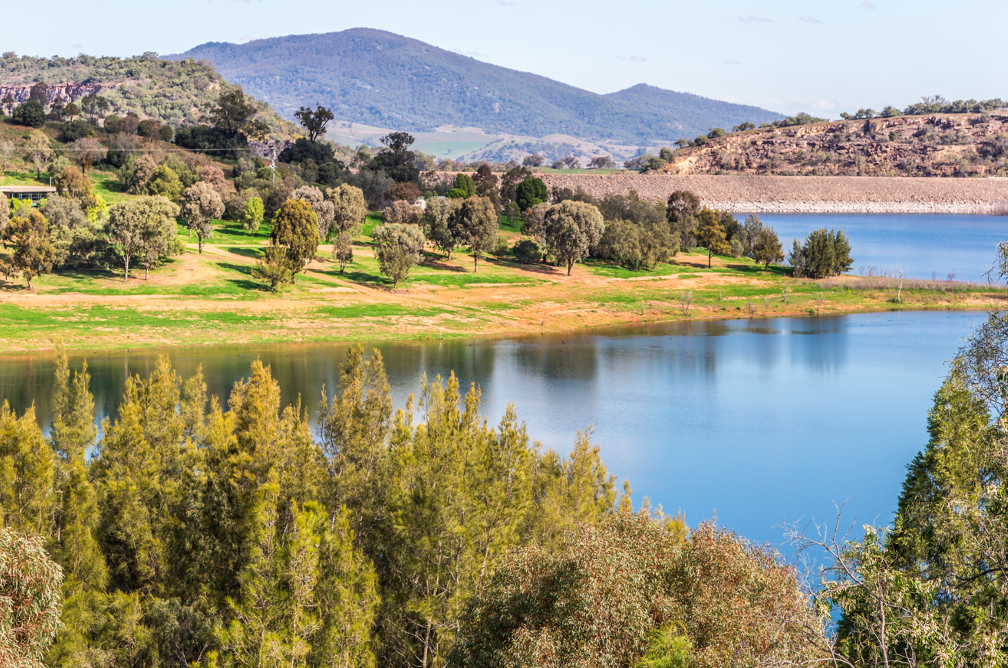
(381,79)
(173,92)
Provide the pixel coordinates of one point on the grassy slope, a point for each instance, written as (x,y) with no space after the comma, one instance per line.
(210,298)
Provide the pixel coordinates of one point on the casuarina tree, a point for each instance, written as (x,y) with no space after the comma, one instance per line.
(711,233)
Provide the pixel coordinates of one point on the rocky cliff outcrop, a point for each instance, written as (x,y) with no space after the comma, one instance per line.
(68,92)
(933,145)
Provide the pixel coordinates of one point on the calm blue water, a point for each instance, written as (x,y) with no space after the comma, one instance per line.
(924,245)
(762,422)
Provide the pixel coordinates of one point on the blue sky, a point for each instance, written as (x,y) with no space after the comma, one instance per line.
(802,55)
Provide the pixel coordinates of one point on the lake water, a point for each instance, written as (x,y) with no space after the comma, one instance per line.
(923,245)
(762,422)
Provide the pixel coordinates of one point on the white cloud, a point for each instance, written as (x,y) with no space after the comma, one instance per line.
(809,19)
(822,105)
(731,61)
(867,5)
(755,19)
(638,59)
(77,46)
(505,3)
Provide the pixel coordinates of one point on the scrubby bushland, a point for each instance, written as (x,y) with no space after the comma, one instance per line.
(599,600)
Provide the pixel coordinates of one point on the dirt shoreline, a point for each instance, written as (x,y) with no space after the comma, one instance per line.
(807,194)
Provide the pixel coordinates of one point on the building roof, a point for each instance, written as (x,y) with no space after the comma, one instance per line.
(27,189)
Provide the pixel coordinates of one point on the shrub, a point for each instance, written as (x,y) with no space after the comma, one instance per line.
(252,215)
(633,590)
(150,128)
(165,182)
(736,248)
(31,113)
(527,251)
(502,248)
(330,173)
(76,129)
(272,267)
(166,133)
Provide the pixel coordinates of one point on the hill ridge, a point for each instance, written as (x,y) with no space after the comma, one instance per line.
(378,78)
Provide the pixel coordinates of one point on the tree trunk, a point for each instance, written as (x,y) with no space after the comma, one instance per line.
(147,273)
(199,242)
(709,254)
(475,264)
(570,265)
(126,273)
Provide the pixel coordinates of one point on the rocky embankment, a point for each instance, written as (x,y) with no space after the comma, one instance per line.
(806,194)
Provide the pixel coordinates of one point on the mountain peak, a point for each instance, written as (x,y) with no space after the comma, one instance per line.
(377,78)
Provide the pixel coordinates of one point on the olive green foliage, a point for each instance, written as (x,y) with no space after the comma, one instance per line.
(30,113)
(667,648)
(529,192)
(474,223)
(143,229)
(200,205)
(766,247)
(252,214)
(611,589)
(30,589)
(37,151)
(165,182)
(438,226)
(463,187)
(28,234)
(571,229)
(349,209)
(193,535)
(77,240)
(398,247)
(637,246)
(711,233)
(273,267)
(824,253)
(295,228)
(324,209)
(176,92)
(526,251)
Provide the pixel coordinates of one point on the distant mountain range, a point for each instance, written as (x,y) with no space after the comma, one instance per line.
(385,80)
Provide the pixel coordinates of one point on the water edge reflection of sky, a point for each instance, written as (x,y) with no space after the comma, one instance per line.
(763,422)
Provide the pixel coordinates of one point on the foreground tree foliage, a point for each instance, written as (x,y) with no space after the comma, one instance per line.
(191,534)
(29,600)
(932,589)
(600,601)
